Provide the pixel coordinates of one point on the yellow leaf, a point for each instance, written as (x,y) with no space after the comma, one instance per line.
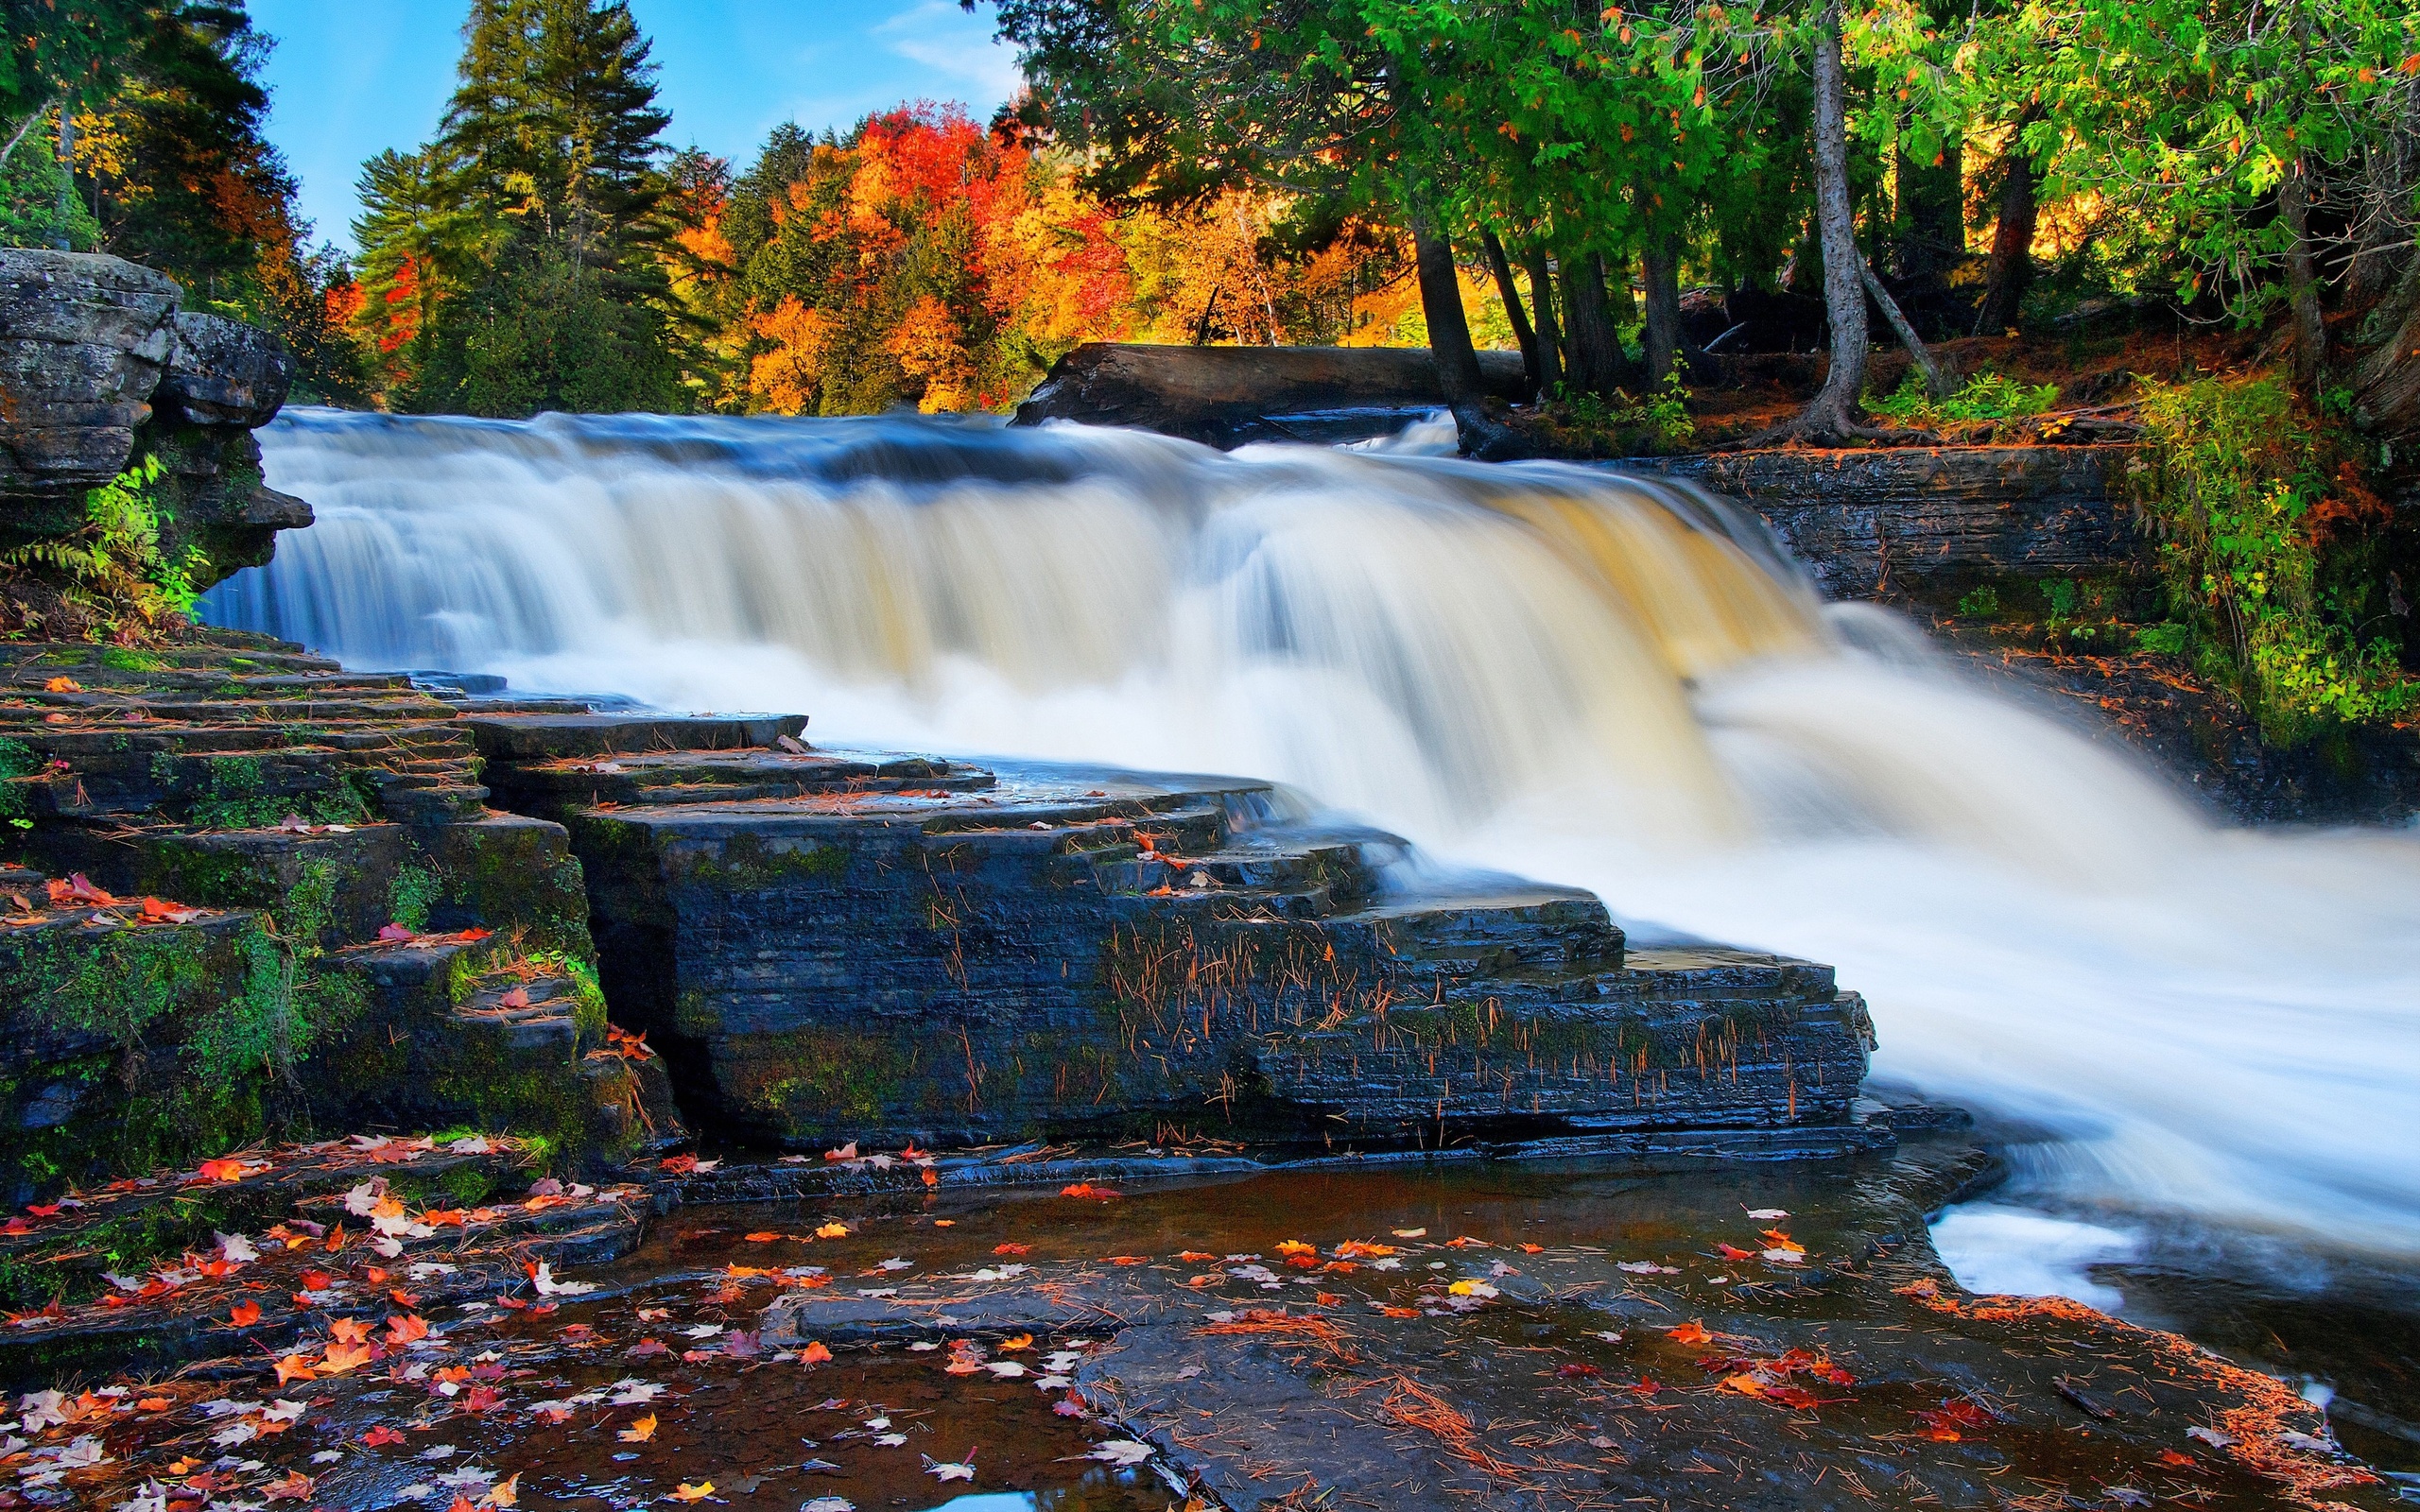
(640,1432)
(685,1493)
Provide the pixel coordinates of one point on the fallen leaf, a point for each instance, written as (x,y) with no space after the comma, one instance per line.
(815,1353)
(1085,1188)
(1120,1452)
(294,1368)
(639,1432)
(222,1170)
(380,1436)
(1692,1332)
(244,1314)
(504,1492)
(686,1492)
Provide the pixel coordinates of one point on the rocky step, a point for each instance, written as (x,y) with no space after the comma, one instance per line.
(554,736)
(540,1014)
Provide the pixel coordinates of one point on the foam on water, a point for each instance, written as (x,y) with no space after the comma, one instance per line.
(1539,668)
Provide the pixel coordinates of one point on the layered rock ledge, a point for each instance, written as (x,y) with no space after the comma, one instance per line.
(100,369)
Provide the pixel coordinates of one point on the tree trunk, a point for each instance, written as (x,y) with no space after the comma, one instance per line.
(1550,366)
(1833,412)
(2011,268)
(1595,347)
(1502,268)
(1936,379)
(1661,266)
(62,238)
(2386,379)
(1441,303)
(2302,279)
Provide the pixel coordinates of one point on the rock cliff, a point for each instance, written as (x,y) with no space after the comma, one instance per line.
(100,369)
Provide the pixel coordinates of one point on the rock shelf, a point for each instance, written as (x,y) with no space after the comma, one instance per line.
(832,945)
(255,894)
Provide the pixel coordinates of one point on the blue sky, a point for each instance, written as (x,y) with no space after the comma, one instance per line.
(349,77)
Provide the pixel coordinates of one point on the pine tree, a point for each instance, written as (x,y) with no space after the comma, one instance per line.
(555,125)
(530,237)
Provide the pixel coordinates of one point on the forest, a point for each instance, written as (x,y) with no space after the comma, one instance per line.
(1609,189)
(1832,222)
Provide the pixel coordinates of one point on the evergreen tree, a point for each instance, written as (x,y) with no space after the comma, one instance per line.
(518,262)
(555,126)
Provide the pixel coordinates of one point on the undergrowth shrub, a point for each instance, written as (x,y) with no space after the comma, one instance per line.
(1984,397)
(1656,423)
(2265,544)
(113,567)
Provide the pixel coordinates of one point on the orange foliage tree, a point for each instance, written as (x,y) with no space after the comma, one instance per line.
(923,260)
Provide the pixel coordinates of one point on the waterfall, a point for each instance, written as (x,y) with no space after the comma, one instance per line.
(1589,679)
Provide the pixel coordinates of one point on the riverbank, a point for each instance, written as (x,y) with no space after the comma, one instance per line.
(1414,1335)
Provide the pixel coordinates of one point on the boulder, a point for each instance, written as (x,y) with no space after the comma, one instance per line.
(1229,396)
(83,341)
(223,372)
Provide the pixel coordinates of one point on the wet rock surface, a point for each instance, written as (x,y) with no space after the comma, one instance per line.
(832,943)
(1419,1334)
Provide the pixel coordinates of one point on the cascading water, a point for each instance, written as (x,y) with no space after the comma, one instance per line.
(1539,668)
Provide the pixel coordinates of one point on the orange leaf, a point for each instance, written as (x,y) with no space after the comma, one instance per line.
(344,1357)
(1015,1342)
(294,1368)
(244,1314)
(1691,1332)
(228,1170)
(350,1330)
(405,1328)
(685,1493)
(640,1432)
(156,1404)
(815,1353)
(1027,1249)
(1085,1188)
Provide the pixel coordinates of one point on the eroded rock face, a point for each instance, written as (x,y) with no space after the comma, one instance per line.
(83,341)
(1926,522)
(98,367)
(223,372)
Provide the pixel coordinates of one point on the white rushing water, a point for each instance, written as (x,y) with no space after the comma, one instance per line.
(1538,668)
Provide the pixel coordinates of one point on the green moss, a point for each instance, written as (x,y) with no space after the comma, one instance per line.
(16,759)
(409,897)
(836,1080)
(748,863)
(120,659)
